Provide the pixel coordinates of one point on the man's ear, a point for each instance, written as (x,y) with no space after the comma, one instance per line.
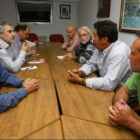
(105,39)
(0,46)
(1,35)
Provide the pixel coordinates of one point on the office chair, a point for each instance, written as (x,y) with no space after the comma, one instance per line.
(56,38)
(32,37)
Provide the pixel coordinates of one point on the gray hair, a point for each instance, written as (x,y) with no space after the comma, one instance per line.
(86,29)
(2,24)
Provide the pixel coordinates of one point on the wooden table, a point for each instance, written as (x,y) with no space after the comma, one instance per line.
(42,71)
(34,112)
(41,48)
(37,116)
(80,129)
(59,67)
(52,131)
(81,102)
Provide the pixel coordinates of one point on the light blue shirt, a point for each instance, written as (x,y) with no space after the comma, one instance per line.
(7,58)
(113,65)
(18,44)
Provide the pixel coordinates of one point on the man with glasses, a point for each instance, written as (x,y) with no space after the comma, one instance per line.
(110,59)
(85,49)
(7,58)
(21,33)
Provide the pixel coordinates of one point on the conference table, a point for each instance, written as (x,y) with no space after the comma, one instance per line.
(34,112)
(59,109)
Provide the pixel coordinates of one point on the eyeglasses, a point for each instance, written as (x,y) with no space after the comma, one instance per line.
(83,35)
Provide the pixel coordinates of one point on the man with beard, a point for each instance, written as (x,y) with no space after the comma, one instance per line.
(110,59)
(85,49)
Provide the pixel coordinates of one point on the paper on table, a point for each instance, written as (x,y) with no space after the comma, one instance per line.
(36,61)
(28,68)
(60,57)
(35,54)
(40,42)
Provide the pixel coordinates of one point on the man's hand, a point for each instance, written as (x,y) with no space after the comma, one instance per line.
(121,115)
(36,42)
(25,47)
(69,49)
(79,72)
(75,78)
(33,51)
(66,56)
(31,85)
(69,56)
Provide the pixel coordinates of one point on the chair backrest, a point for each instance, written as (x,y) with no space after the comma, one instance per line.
(32,37)
(56,38)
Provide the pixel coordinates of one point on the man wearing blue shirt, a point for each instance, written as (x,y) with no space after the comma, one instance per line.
(11,99)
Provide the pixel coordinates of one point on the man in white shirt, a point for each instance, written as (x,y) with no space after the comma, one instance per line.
(7,36)
(110,59)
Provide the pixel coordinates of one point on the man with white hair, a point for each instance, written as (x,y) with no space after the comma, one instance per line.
(85,49)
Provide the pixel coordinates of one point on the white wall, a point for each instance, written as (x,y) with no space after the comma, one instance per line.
(87,11)
(8,13)
(58,25)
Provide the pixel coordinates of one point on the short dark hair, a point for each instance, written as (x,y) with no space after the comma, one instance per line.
(138,34)
(108,29)
(22,27)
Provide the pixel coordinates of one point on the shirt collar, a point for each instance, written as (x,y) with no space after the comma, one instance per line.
(75,36)
(18,37)
(4,44)
(108,49)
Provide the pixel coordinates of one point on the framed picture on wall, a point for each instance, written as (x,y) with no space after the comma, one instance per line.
(130,16)
(103,8)
(65,11)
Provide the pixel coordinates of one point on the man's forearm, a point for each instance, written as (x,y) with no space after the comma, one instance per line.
(134,124)
(121,94)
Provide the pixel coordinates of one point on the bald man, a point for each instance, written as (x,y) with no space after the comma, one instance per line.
(73,39)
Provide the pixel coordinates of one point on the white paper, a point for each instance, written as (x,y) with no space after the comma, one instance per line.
(40,42)
(60,57)
(32,44)
(36,61)
(28,68)
(35,54)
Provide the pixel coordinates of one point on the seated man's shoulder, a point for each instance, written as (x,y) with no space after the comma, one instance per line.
(76,36)
(121,47)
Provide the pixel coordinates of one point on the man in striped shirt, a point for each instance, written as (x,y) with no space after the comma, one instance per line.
(85,49)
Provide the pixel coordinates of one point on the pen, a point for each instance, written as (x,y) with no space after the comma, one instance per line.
(28,68)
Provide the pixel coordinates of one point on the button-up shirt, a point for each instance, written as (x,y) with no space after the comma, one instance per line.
(10,99)
(113,65)
(7,58)
(18,44)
